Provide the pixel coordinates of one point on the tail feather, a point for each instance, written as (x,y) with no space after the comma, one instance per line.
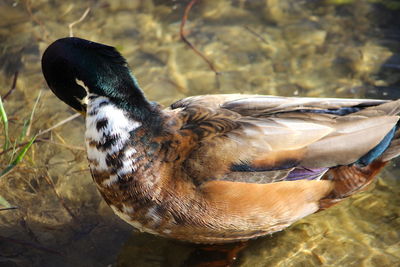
(354,178)
(349,180)
(394,148)
(389,108)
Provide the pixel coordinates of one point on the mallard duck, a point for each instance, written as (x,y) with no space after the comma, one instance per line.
(217,168)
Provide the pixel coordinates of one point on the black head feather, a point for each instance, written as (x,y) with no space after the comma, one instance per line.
(74,67)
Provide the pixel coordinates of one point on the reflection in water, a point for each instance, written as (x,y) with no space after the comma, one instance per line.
(307,48)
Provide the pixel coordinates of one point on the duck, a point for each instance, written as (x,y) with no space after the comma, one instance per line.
(217,168)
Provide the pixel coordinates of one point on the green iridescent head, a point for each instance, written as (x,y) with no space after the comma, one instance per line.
(75,67)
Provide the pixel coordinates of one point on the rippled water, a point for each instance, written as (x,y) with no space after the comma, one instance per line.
(313,48)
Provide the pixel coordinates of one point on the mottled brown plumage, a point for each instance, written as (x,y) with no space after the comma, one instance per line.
(217,168)
(196,196)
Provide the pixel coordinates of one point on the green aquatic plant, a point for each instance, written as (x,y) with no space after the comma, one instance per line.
(14,152)
(4,119)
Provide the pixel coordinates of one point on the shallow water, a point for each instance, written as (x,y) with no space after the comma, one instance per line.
(306,48)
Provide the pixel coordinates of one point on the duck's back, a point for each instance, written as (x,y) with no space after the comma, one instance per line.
(241,166)
(263,134)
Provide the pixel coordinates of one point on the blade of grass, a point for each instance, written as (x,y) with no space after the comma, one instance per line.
(19,146)
(27,129)
(5,125)
(4,202)
(6,205)
(13,151)
(19,157)
(70,118)
(23,131)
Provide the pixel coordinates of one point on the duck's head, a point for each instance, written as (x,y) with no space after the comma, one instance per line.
(74,68)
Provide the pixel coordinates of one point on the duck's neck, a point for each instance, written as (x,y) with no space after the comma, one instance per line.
(124,91)
(113,153)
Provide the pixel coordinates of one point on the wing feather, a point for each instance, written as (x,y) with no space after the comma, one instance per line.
(246,134)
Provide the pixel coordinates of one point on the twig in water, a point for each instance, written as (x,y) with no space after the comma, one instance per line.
(42,132)
(18,146)
(28,230)
(13,86)
(30,245)
(62,202)
(181,32)
(8,208)
(63,145)
(28,6)
(70,118)
(72,24)
(256,34)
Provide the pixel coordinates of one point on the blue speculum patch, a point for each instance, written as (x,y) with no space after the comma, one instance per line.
(378,149)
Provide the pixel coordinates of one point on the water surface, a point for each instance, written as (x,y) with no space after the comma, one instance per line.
(291,48)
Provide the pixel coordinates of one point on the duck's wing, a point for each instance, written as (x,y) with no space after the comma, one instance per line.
(261,163)
(264,138)
(252,105)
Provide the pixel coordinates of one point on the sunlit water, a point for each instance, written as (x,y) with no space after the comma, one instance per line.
(306,48)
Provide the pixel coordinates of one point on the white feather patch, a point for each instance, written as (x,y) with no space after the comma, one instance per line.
(118,127)
(96,155)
